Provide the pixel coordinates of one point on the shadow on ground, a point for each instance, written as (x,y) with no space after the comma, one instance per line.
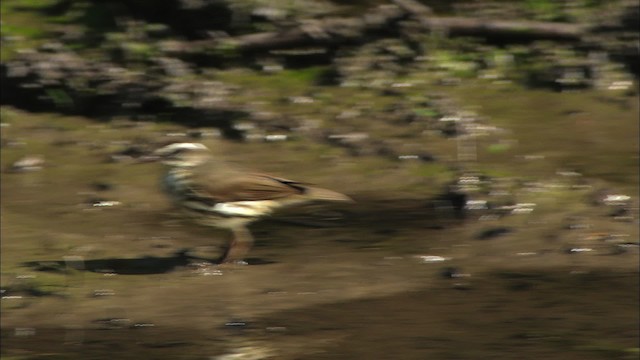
(146,265)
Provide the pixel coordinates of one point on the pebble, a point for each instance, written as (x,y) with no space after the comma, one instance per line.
(453,273)
(578,250)
(476,205)
(103,292)
(235,324)
(273,68)
(490,217)
(142,325)
(629,245)
(524,207)
(568,173)
(28,163)
(275,137)
(107,203)
(408,157)
(462,286)
(113,323)
(244,126)
(620,85)
(27,276)
(24,331)
(469,180)
(528,253)
(301,100)
(246,353)
(616,199)
(431,258)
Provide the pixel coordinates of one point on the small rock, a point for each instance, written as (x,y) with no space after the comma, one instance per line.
(616,199)
(578,250)
(235,324)
(275,137)
(106,203)
(609,198)
(103,292)
(431,258)
(172,67)
(452,273)
(462,286)
(142,325)
(523,208)
(301,100)
(113,323)
(24,331)
(527,253)
(99,202)
(476,205)
(28,163)
(270,14)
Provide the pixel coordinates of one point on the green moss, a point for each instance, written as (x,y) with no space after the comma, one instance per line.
(458,64)
(545,9)
(428,112)
(24,25)
(227,49)
(22,30)
(307,75)
(60,98)
(27,4)
(498,148)
(138,49)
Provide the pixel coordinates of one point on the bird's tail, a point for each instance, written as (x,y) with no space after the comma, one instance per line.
(326,195)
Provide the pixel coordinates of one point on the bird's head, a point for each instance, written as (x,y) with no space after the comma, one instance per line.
(182,154)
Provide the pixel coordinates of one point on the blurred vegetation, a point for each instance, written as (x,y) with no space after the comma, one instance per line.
(390,74)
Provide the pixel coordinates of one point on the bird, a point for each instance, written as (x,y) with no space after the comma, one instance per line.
(213,193)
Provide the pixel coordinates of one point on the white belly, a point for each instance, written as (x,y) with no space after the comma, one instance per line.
(245,208)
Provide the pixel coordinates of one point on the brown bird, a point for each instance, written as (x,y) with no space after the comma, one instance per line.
(214,194)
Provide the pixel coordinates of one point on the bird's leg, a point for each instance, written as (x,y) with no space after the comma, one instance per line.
(240,245)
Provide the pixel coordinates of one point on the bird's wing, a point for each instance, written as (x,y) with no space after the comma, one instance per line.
(248,187)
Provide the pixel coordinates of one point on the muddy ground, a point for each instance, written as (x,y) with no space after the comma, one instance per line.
(96,264)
